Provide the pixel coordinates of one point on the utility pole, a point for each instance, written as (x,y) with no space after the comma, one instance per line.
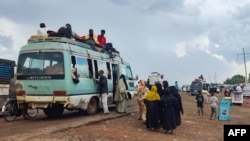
(215,78)
(244,56)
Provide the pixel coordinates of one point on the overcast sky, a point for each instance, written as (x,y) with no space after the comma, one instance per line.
(181,39)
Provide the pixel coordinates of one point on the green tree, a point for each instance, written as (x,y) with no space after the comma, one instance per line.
(236,79)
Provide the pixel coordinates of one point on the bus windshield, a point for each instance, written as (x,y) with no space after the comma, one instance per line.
(196,85)
(40,64)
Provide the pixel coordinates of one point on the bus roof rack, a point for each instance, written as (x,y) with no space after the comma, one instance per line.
(41,38)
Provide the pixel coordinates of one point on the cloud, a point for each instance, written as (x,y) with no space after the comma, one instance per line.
(179,38)
(200,43)
(11,38)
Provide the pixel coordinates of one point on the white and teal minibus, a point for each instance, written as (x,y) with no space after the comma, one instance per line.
(44,75)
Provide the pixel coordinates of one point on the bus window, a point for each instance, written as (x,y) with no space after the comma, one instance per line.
(129,73)
(48,63)
(109,71)
(115,77)
(96,69)
(90,67)
(102,66)
(82,67)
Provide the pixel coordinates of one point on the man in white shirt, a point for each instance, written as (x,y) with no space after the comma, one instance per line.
(42,30)
(238,88)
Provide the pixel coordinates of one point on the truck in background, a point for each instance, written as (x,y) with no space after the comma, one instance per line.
(153,78)
(6,73)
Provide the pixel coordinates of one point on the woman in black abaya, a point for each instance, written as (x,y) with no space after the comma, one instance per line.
(179,108)
(169,104)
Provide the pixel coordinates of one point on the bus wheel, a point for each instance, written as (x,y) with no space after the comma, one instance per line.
(30,113)
(54,111)
(92,106)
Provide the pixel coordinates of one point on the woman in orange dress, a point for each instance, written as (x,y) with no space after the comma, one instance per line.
(141,91)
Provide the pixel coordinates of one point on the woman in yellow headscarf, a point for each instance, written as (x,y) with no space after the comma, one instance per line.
(152,99)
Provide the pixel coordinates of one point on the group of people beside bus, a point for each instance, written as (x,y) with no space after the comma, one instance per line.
(160,105)
(91,38)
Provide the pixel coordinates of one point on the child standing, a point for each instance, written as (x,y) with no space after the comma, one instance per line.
(213,103)
(200,102)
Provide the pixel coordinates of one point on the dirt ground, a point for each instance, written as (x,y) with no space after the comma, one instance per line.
(128,128)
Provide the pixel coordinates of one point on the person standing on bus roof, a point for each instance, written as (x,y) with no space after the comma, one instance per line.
(103,91)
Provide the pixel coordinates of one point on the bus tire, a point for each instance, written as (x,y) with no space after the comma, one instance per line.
(30,113)
(92,106)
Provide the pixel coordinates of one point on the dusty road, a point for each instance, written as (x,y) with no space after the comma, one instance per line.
(75,127)
(21,129)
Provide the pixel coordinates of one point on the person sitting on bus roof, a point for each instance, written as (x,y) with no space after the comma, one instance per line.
(102,42)
(201,77)
(66,31)
(91,38)
(102,39)
(42,30)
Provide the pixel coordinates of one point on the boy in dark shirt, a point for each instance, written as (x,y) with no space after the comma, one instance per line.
(200,100)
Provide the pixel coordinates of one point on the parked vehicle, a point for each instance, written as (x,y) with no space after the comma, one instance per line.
(154,77)
(214,88)
(198,85)
(44,75)
(184,88)
(188,88)
(6,73)
(246,91)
